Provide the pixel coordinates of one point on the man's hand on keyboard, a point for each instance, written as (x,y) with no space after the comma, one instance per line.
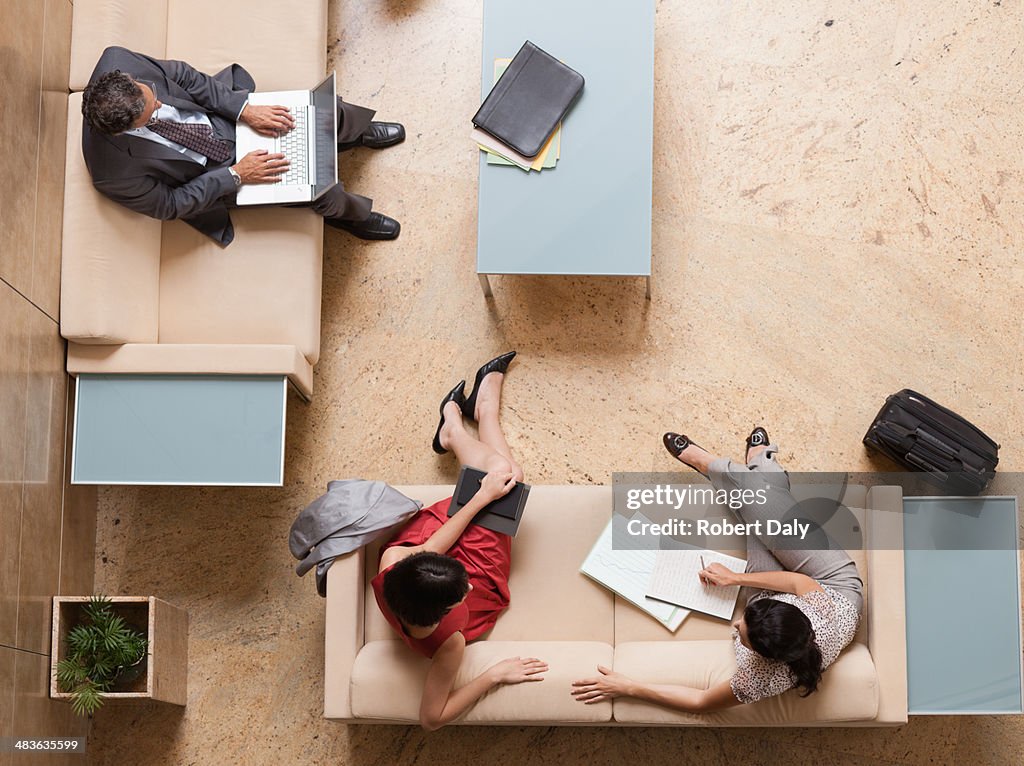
(267,120)
(261,167)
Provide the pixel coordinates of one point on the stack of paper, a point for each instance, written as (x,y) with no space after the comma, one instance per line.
(627,573)
(663,583)
(499,153)
(676,580)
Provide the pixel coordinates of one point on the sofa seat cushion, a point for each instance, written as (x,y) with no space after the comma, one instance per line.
(110,258)
(551,600)
(848,690)
(263,288)
(283,46)
(387,682)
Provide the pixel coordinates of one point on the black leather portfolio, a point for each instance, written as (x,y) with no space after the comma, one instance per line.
(503,515)
(526,104)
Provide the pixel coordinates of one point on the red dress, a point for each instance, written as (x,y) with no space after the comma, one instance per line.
(487,557)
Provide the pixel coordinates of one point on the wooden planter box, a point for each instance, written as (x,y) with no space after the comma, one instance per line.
(165,628)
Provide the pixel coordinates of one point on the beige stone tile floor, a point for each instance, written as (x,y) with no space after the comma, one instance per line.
(837,214)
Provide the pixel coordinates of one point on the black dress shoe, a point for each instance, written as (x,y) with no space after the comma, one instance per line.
(381,135)
(758,438)
(676,443)
(377,226)
(498,364)
(457,395)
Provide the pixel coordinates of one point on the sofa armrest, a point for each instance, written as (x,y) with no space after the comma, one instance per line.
(193,359)
(886,602)
(343,631)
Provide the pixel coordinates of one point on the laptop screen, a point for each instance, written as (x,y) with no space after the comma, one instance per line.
(326,104)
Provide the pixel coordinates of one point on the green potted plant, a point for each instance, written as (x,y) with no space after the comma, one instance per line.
(102,652)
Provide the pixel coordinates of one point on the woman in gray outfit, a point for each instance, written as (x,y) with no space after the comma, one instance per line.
(804,611)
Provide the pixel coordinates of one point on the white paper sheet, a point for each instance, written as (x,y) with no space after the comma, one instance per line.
(627,573)
(675,579)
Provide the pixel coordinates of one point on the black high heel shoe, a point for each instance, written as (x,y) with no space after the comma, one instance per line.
(498,364)
(676,443)
(457,395)
(758,438)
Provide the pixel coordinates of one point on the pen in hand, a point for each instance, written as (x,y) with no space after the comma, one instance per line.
(703,566)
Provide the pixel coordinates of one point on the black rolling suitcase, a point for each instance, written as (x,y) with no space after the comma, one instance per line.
(924,436)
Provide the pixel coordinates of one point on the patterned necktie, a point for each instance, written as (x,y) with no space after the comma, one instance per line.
(194,136)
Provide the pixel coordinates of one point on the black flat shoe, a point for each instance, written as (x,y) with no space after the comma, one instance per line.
(380,135)
(676,443)
(457,395)
(498,364)
(758,438)
(377,227)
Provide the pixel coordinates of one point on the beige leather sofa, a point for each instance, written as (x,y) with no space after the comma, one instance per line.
(573,623)
(142,296)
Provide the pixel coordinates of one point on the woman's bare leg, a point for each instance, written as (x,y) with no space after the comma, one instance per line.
(469,450)
(488,404)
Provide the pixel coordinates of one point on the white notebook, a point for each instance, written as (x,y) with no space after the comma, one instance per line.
(627,574)
(675,580)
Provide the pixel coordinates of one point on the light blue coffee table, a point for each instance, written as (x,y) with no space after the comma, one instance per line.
(962,582)
(179,429)
(592,213)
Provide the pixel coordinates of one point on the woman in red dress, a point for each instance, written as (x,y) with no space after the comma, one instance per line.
(444,581)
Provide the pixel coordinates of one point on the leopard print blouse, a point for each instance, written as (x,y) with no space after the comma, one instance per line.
(834,620)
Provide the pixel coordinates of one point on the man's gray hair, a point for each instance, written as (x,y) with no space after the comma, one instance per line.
(112,103)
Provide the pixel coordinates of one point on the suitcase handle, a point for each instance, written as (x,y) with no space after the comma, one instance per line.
(925,466)
(938,444)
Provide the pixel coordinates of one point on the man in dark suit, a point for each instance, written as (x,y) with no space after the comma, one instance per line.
(159,138)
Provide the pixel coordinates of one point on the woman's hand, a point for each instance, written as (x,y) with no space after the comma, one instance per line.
(717,574)
(606,686)
(494,485)
(515,670)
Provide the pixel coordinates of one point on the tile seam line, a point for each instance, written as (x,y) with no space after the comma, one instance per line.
(35,305)
(25,651)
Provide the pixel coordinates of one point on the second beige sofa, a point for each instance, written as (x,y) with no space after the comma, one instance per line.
(575,624)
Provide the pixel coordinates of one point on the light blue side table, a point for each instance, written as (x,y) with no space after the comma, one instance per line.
(179,429)
(592,213)
(962,570)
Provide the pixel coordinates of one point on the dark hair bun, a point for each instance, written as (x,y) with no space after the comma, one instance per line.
(781,632)
(421,589)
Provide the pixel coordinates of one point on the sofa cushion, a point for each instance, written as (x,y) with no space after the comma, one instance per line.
(282,45)
(263,288)
(138,26)
(848,690)
(110,259)
(551,600)
(387,682)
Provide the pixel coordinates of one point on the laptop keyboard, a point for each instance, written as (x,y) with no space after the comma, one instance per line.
(295,147)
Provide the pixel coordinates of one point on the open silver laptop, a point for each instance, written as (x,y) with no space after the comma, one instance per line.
(311,146)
